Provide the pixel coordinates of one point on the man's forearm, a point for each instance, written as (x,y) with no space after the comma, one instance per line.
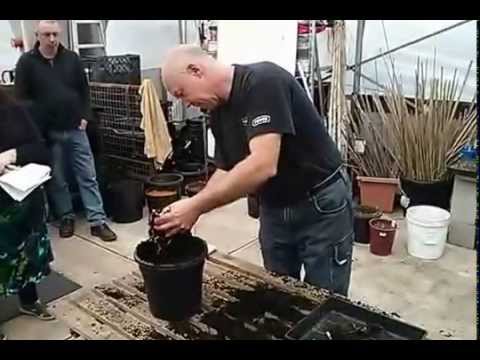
(217,177)
(246,177)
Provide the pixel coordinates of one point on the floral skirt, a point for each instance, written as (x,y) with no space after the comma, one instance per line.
(25,250)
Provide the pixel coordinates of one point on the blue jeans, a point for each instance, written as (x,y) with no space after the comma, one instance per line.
(72,148)
(316,233)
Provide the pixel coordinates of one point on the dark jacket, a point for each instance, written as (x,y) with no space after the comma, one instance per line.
(56,89)
(17,131)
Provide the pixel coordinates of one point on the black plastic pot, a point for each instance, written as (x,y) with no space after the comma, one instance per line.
(191,168)
(253,206)
(127,200)
(362,215)
(173,279)
(194,188)
(163,189)
(211,168)
(192,172)
(196,136)
(434,194)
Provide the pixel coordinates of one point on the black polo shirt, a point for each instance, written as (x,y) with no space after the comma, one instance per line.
(265,98)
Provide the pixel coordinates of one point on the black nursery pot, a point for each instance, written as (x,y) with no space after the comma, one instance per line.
(428,193)
(362,215)
(173,278)
(127,200)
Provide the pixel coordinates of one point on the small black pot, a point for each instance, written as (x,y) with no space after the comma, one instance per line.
(362,216)
(173,281)
(127,200)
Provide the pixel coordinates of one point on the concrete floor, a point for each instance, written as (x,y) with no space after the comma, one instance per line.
(436,295)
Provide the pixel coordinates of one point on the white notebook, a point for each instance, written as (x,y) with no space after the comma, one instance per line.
(20,183)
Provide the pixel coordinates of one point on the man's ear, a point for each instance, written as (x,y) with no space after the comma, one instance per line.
(194,70)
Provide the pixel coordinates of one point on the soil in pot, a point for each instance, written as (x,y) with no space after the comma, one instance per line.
(162,190)
(362,215)
(158,199)
(173,276)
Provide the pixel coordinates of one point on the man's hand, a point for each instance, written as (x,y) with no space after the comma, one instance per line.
(178,217)
(83,124)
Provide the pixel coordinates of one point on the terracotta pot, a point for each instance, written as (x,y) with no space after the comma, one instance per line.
(378,192)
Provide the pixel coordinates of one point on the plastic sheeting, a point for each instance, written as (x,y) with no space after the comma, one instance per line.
(454,49)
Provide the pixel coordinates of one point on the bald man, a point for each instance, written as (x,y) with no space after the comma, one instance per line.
(270,140)
(53,79)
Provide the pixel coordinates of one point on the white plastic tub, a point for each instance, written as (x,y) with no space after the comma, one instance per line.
(427,228)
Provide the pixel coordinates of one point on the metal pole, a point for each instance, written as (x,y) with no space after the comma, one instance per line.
(319,76)
(304,81)
(312,58)
(358,56)
(181,40)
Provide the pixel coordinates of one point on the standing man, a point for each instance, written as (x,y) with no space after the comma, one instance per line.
(269,139)
(52,78)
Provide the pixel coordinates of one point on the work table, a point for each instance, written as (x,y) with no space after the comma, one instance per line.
(240,301)
(464,168)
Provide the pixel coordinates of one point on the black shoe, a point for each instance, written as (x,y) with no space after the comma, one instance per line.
(103,232)
(67,228)
(37,310)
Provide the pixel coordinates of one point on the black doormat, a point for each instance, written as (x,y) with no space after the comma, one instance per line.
(52,287)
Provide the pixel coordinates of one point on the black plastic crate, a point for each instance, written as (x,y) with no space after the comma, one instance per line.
(118,166)
(117,106)
(337,319)
(119,69)
(123,143)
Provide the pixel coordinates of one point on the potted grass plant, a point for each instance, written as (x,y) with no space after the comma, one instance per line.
(371,158)
(427,133)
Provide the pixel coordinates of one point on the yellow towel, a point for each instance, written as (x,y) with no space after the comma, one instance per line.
(157,139)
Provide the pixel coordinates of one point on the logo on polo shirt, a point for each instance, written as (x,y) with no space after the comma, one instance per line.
(259,120)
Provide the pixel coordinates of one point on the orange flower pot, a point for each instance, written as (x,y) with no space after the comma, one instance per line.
(378,192)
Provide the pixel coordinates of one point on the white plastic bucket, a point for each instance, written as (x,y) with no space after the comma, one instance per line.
(427,228)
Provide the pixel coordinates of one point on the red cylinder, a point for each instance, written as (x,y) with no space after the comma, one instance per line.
(382,234)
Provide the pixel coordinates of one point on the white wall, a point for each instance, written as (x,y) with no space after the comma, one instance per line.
(151,39)
(8,55)
(247,41)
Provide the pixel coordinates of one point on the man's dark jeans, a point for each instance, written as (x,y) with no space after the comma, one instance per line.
(316,232)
